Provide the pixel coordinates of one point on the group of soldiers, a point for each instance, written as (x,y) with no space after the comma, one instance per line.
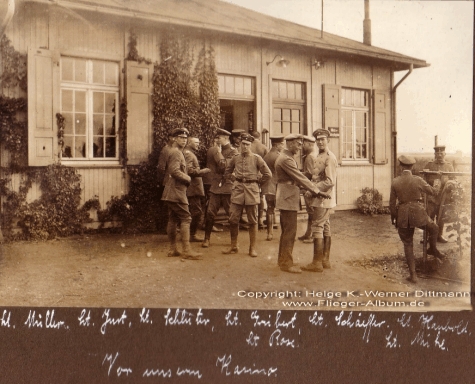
(237,178)
(407,207)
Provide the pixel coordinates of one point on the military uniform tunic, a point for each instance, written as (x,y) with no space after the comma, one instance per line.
(437,181)
(324,174)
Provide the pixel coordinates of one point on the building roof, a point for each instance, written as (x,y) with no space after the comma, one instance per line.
(216,15)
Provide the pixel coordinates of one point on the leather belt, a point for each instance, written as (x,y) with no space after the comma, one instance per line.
(289,182)
(413,201)
(246,181)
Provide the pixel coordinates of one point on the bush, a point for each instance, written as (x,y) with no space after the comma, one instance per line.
(371,202)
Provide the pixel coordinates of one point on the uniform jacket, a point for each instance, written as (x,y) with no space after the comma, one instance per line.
(162,163)
(405,200)
(258,148)
(324,176)
(177,180)
(217,163)
(288,180)
(431,179)
(193,169)
(247,167)
(270,186)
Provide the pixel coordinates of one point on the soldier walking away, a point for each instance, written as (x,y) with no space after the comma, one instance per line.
(308,150)
(195,191)
(324,177)
(289,178)
(408,212)
(437,181)
(220,191)
(249,169)
(176,183)
(269,188)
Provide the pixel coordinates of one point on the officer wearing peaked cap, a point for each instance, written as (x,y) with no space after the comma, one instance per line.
(407,211)
(438,181)
(249,170)
(324,177)
(268,189)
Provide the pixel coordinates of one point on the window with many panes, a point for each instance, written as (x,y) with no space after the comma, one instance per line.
(89,105)
(355,124)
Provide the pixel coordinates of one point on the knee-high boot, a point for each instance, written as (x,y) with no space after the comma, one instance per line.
(411,262)
(308,232)
(188,253)
(252,240)
(171,232)
(317,264)
(440,238)
(208,229)
(327,243)
(234,231)
(270,227)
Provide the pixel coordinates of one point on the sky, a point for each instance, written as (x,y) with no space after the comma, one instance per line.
(432,101)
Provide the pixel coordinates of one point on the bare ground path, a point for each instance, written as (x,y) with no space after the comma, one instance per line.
(112,270)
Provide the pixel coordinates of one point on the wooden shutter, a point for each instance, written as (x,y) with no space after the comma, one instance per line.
(382,121)
(43,104)
(139,106)
(332,117)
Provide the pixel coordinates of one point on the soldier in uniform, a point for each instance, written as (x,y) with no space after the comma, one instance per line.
(236,138)
(176,183)
(195,191)
(289,178)
(259,149)
(438,181)
(269,188)
(407,212)
(324,177)
(161,168)
(220,191)
(249,169)
(308,150)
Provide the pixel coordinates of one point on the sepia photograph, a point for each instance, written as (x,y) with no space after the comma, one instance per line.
(301,155)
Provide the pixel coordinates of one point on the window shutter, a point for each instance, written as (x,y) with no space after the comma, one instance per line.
(382,121)
(332,116)
(43,104)
(139,106)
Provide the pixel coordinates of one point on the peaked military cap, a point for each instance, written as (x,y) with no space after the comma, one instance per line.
(439,148)
(407,160)
(246,137)
(293,136)
(277,139)
(237,132)
(309,138)
(180,131)
(321,133)
(222,132)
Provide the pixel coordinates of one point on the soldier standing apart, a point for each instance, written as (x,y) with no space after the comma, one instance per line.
(288,199)
(195,191)
(176,182)
(324,176)
(308,151)
(220,191)
(162,167)
(407,212)
(269,188)
(249,169)
(437,181)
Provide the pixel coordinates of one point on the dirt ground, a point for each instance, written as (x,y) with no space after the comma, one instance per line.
(113,270)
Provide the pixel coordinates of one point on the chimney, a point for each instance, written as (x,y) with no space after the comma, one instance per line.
(366,24)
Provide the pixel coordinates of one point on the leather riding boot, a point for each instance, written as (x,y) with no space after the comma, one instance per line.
(270,227)
(411,263)
(252,240)
(234,230)
(208,229)
(327,243)
(188,253)
(440,238)
(171,232)
(316,265)
(432,250)
(308,232)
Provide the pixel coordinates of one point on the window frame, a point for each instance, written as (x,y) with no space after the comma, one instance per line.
(89,87)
